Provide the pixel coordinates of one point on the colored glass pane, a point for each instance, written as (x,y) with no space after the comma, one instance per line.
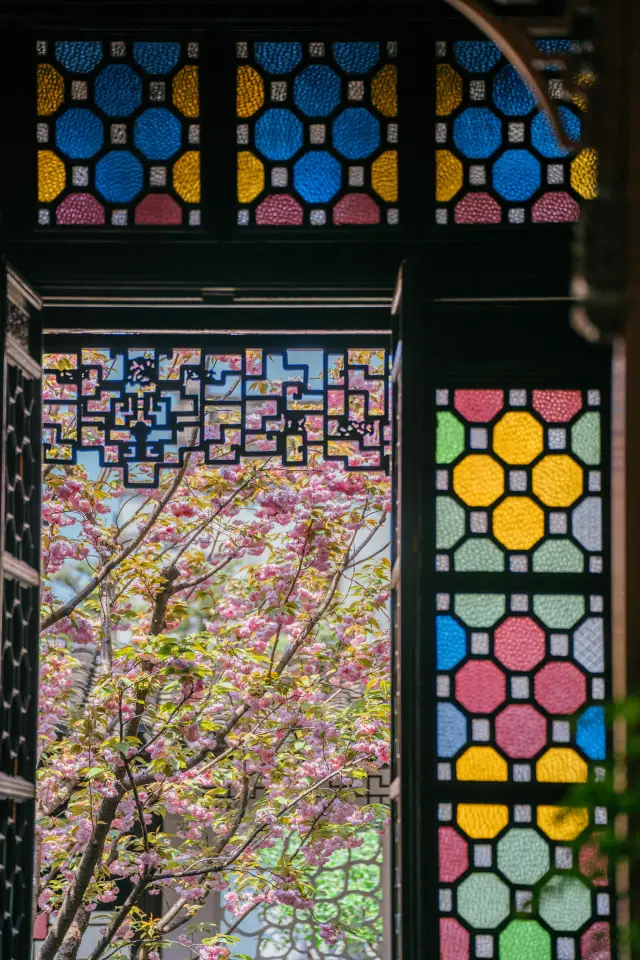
(487,119)
(498,860)
(320,120)
(519,462)
(116,118)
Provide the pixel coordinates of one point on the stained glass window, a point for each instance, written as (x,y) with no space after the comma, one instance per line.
(522,670)
(522,882)
(518,481)
(520,686)
(118,133)
(317,133)
(497,157)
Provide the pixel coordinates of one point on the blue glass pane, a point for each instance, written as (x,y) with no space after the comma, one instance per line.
(516,175)
(559,45)
(451,643)
(79,56)
(476,56)
(278,134)
(79,133)
(356,57)
(118,90)
(156,57)
(543,137)
(119,176)
(317,91)
(157,133)
(451,730)
(511,94)
(278,57)
(477,132)
(317,176)
(356,133)
(590,733)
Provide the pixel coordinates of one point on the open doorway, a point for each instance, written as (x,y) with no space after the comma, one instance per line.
(215,645)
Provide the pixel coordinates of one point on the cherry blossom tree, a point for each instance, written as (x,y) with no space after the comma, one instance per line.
(235,623)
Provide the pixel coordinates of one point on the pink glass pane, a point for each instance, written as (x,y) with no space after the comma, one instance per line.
(478,406)
(356,208)
(452,851)
(279,210)
(519,643)
(521,731)
(80,208)
(560,688)
(557,406)
(478,208)
(454,941)
(593,863)
(596,943)
(555,208)
(158,209)
(480,686)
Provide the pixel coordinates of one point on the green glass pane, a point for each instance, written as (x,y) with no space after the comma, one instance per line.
(478,555)
(523,856)
(585,438)
(565,903)
(449,522)
(558,556)
(525,940)
(449,437)
(483,900)
(559,611)
(480,609)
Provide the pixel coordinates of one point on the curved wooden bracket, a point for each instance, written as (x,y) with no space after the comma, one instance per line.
(530,62)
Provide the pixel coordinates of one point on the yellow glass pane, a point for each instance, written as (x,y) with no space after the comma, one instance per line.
(482,820)
(250,176)
(448,175)
(478,480)
(448,89)
(384,176)
(249,91)
(584,173)
(50,89)
(384,90)
(186,94)
(186,176)
(481,763)
(517,438)
(557,480)
(518,523)
(563,823)
(51,175)
(561,765)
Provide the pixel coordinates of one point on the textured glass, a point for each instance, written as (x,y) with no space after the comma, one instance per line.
(513,683)
(498,159)
(318,147)
(508,889)
(517,484)
(114,117)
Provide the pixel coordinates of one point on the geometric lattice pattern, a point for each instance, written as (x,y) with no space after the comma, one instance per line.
(518,481)
(21,477)
(118,133)
(19,669)
(143,409)
(16,864)
(522,882)
(317,133)
(349,892)
(497,157)
(520,685)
